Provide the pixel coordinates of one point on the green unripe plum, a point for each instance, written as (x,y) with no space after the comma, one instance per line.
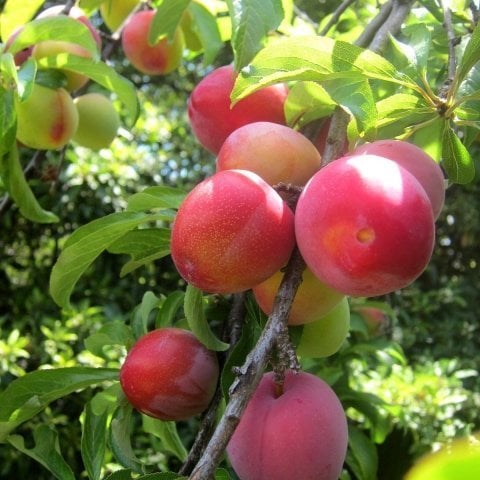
(231,232)
(168,374)
(421,165)
(47,119)
(161,58)
(365,226)
(297,431)
(312,301)
(325,336)
(115,12)
(275,152)
(98,121)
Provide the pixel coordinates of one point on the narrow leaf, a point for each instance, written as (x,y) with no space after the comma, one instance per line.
(46,451)
(26,396)
(167,433)
(120,441)
(206,28)
(17,187)
(112,333)
(94,441)
(16,13)
(165,22)
(471,55)
(144,246)
(197,320)
(84,246)
(169,309)
(252,20)
(314,58)
(457,162)
(362,455)
(102,74)
(156,198)
(7,122)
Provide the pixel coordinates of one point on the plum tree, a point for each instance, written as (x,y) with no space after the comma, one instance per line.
(98,121)
(47,119)
(158,59)
(115,12)
(370,233)
(275,152)
(312,301)
(297,430)
(213,119)
(231,232)
(168,374)
(421,165)
(326,335)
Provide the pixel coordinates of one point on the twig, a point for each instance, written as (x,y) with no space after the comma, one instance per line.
(336,16)
(452,42)
(252,370)
(371,29)
(234,328)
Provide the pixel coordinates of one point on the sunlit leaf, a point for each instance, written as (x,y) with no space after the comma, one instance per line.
(101,73)
(166,19)
(471,55)
(46,451)
(252,20)
(197,320)
(156,198)
(16,13)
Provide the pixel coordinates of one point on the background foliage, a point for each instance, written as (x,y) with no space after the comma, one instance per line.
(416,384)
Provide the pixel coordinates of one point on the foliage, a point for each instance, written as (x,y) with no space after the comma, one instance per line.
(74,220)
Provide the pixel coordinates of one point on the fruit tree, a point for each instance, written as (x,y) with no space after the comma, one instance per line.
(326,137)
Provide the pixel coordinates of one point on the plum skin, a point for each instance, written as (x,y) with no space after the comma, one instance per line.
(231,232)
(365,226)
(417,162)
(300,433)
(158,59)
(276,152)
(168,374)
(212,117)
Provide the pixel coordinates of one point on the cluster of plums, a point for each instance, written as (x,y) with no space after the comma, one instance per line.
(52,117)
(365,225)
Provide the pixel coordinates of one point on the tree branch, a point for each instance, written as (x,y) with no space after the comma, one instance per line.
(250,374)
(336,16)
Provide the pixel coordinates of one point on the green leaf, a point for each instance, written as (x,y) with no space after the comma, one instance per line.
(26,396)
(120,441)
(59,28)
(169,309)
(314,58)
(8,123)
(471,55)
(100,73)
(46,451)
(165,22)
(222,474)
(94,441)
(127,475)
(306,102)
(167,433)
(26,76)
(153,198)
(361,455)
(112,333)
(144,246)
(429,137)
(356,98)
(457,162)
(84,246)
(17,187)
(252,20)
(16,13)
(206,28)
(150,302)
(197,320)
